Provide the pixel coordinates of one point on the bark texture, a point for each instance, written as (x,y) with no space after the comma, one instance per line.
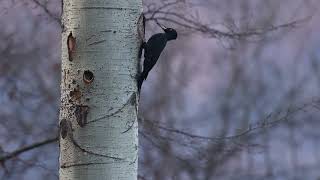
(99,100)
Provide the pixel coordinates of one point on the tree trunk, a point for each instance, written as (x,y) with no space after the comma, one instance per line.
(99,98)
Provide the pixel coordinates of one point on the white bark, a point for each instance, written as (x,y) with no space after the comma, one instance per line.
(98,119)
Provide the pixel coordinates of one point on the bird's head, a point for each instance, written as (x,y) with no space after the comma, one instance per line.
(170,33)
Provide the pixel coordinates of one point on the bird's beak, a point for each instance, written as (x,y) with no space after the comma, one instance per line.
(162,26)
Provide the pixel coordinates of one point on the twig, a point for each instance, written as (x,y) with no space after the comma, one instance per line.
(46,10)
(27,148)
(265,123)
(162,13)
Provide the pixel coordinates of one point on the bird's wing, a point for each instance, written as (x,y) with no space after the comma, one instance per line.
(153,49)
(155,46)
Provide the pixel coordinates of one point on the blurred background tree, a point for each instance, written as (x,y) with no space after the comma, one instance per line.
(235,97)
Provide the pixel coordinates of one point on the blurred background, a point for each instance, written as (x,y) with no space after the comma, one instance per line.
(235,97)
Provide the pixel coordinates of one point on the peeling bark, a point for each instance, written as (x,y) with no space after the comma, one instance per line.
(99,98)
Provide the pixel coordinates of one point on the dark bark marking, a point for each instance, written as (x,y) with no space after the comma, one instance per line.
(130,127)
(71,43)
(88,76)
(97,42)
(93,153)
(65,128)
(81,113)
(83,164)
(116,112)
(75,94)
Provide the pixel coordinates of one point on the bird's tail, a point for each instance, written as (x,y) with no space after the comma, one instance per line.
(141,78)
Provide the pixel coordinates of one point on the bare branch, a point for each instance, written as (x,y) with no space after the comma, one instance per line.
(265,123)
(27,148)
(193,23)
(46,10)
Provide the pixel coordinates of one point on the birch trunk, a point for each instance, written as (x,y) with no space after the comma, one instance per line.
(99,100)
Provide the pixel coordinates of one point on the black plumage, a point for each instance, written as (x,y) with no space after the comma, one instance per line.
(152,51)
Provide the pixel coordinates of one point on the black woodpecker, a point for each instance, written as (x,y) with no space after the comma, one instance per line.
(153,49)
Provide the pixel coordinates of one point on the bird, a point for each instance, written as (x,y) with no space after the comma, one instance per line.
(152,51)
